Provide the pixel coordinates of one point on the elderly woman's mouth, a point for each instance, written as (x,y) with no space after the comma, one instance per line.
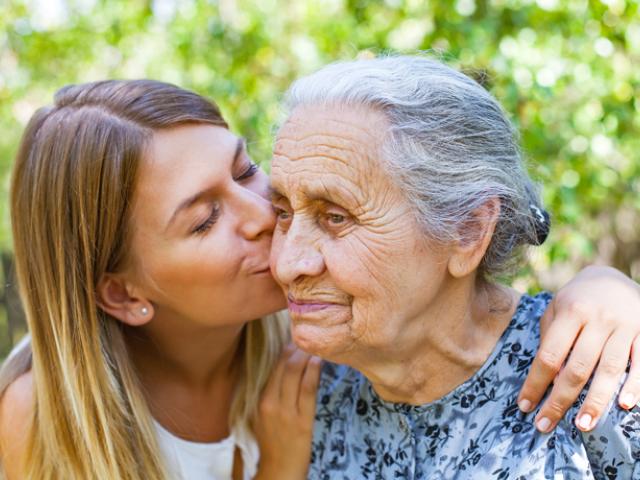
(304,306)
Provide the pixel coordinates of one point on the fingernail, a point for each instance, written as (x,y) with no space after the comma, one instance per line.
(544,424)
(628,400)
(524,405)
(584,422)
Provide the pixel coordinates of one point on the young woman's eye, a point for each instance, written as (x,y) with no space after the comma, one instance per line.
(249,172)
(208,223)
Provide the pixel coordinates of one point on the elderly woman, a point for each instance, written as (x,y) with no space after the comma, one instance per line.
(401,197)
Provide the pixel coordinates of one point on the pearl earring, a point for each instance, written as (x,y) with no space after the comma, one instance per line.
(144,311)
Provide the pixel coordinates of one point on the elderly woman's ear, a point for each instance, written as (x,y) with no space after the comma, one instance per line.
(474,239)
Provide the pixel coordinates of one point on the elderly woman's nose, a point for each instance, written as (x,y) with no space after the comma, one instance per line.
(298,257)
(255,214)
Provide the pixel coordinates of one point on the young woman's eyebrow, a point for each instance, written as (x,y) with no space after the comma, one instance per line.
(193,199)
(241,146)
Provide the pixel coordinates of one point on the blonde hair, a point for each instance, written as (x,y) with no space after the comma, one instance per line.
(72,186)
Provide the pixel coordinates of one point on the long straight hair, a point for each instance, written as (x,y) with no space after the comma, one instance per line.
(71,197)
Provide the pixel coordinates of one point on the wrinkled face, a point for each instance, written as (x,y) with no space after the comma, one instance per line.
(203,228)
(347,251)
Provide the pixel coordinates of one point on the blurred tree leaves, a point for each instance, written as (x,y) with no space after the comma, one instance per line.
(568,71)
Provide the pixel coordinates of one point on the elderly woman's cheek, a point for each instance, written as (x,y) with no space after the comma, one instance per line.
(363,266)
(276,249)
(382,258)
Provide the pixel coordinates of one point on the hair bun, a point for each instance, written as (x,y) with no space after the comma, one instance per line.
(542,224)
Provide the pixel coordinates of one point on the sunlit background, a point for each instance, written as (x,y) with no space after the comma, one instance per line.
(567,71)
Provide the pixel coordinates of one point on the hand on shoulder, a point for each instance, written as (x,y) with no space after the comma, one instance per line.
(591,325)
(287,409)
(16,412)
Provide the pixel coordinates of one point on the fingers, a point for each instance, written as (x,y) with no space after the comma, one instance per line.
(294,371)
(630,393)
(554,348)
(309,387)
(292,385)
(284,426)
(605,382)
(271,391)
(571,378)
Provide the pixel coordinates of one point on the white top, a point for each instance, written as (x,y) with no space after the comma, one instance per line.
(20,345)
(188,460)
(200,461)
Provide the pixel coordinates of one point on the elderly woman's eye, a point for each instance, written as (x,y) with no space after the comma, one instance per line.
(335,221)
(336,218)
(282,214)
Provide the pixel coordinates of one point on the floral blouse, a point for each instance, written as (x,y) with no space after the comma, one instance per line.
(474,432)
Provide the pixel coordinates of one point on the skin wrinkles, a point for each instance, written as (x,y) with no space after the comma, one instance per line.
(344,191)
(369,239)
(341,130)
(319,145)
(343,149)
(410,306)
(371,248)
(311,162)
(369,213)
(297,145)
(318,193)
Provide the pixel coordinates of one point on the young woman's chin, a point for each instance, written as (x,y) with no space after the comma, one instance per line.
(276,303)
(264,300)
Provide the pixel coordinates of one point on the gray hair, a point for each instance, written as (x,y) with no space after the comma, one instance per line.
(449,144)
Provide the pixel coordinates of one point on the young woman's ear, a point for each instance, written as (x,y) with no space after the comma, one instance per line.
(114,296)
(475,239)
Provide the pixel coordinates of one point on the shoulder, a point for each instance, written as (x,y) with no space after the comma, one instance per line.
(533,306)
(524,327)
(16,406)
(16,411)
(612,448)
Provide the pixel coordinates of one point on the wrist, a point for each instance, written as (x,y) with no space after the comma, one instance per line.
(272,469)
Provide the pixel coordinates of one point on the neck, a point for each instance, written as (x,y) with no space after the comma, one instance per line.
(188,373)
(194,358)
(443,347)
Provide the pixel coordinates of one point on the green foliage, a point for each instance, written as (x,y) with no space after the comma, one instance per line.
(567,71)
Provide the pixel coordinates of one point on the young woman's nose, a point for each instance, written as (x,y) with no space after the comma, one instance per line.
(255,214)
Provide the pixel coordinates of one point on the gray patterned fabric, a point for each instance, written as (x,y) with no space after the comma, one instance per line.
(475,432)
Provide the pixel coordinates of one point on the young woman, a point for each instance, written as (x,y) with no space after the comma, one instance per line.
(146,362)
(142,232)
